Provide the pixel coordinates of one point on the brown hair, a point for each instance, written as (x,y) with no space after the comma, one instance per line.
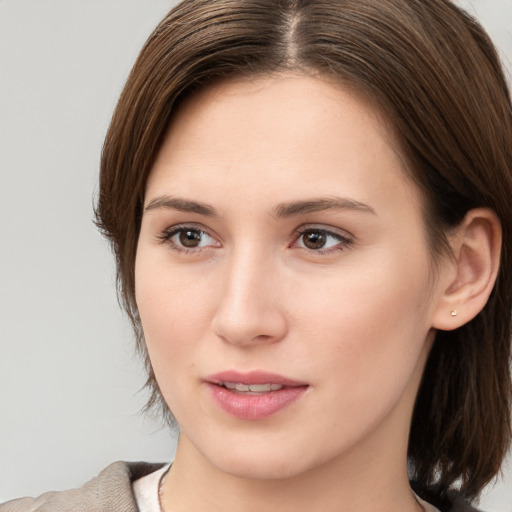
(435,74)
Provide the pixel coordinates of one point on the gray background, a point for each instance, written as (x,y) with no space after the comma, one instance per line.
(69,380)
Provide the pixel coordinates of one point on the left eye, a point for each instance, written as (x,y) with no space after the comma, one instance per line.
(190,238)
(318,240)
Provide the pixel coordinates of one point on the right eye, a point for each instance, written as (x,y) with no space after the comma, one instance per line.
(188,238)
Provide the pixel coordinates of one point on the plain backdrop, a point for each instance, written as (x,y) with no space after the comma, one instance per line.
(70,383)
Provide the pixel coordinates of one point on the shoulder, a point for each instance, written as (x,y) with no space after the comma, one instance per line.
(110,491)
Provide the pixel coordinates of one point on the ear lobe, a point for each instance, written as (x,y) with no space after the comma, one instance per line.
(466,284)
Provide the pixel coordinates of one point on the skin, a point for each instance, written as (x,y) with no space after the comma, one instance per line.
(353,320)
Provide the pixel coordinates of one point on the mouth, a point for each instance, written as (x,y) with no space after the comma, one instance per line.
(254,395)
(250,389)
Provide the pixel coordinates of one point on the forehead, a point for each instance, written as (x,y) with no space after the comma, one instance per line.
(295,99)
(290,131)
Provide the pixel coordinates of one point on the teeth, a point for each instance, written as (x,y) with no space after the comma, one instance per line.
(251,388)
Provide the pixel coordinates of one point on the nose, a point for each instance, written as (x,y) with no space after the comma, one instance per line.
(249,310)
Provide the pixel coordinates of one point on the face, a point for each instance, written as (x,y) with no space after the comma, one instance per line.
(283,278)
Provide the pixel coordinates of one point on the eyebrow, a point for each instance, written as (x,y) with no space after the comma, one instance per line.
(183,205)
(283,210)
(322,204)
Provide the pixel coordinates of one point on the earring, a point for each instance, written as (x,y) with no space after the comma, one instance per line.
(454,312)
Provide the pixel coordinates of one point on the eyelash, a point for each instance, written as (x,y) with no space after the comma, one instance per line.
(344,241)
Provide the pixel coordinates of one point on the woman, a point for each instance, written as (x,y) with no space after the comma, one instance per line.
(309,204)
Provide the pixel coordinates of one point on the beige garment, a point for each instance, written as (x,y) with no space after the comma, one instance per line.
(110,491)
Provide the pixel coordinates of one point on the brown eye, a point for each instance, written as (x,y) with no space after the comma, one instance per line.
(190,238)
(314,240)
(322,240)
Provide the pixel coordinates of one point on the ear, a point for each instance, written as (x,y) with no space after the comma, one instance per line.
(468,277)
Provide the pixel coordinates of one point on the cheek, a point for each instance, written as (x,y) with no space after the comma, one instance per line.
(170,324)
(368,340)
(167,301)
(368,326)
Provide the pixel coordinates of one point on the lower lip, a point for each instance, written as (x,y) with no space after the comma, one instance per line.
(255,407)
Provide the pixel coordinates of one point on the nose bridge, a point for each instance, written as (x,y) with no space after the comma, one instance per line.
(248,309)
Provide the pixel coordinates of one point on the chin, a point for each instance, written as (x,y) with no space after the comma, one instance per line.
(260,469)
(261,463)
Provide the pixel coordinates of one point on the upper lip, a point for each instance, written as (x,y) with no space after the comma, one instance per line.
(252,377)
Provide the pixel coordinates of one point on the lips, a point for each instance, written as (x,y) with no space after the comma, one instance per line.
(254,395)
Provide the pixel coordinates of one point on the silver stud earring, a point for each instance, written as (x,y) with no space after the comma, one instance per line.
(454,312)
